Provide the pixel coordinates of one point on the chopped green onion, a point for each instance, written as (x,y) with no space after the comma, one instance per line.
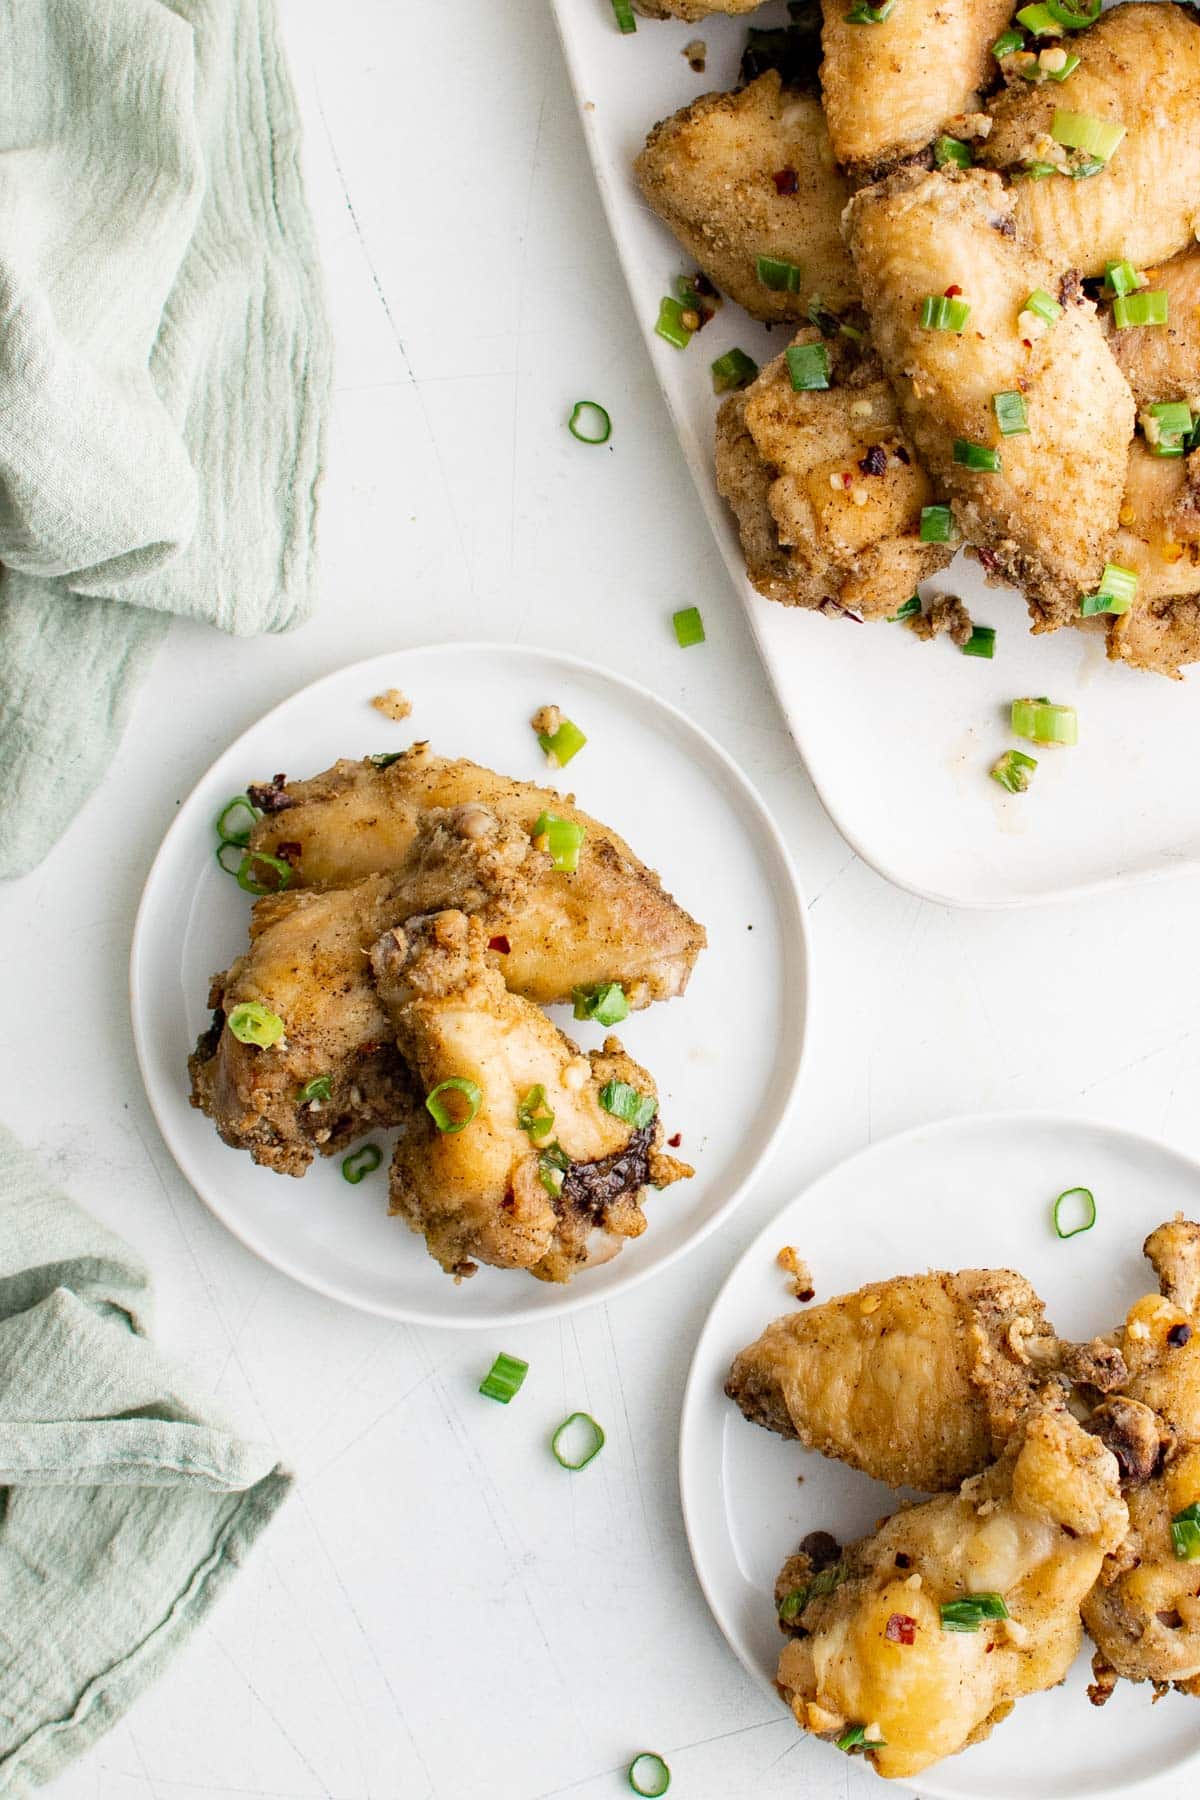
(623,13)
(250,859)
(605,1005)
(590,1447)
(253,1023)
(1011,414)
(224,848)
(319,1088)
(1037,171)
(1042,722)
(782,277)
(1074,15)
(360,1162)
(1118,588)
(1122,278)
(808,366)
(1167,426)
(1092,604)
(383,759)
(670,323)
(856,1739)
(624,1102)
(689,627)
(733,371)
(533,1114)
(952,150)
(237,834)
(1040,72)
(1043,306)
(587,413)
(1149,307)
(793,1604)
(503,1380)
(1087,1209)
(937,525)
(686,293)
(1013,771)
(982,642)
(939,312)
(446,1121)
(1040,20)
(1007,42)
(911,605)
(976,456)
(1088,165)
(1083,131)
(863,14)
(1185,1534)
(553,1164)
(970,1613)
(563,840)
(562,744)
(649,1775)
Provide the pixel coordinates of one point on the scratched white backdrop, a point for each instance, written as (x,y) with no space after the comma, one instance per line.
(440,1611)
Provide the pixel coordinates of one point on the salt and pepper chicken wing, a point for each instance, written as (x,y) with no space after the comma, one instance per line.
(890,86)
(1162,362)
(547,1175)
(1140,69)
(747,175)
(918,1381)
(924,1635)
(1159,539)
(1144,1613)
(826,487)
(1047,514)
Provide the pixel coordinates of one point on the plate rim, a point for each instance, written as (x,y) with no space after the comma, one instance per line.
(796,907)
(693,1401)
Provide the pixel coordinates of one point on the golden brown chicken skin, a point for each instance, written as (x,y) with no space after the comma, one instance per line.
(1162,362)
(874,1653)
(550,1200)
(610,920)
(691,10)
(1140,68)
(917,1381)
(890,87)
(1144,1613)
(826,488)
(749,174)
(1046,518)
(1159,539)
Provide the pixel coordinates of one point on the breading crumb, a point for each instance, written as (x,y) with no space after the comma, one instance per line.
(696,53)
(393,705)
(801,1284)
(947,613)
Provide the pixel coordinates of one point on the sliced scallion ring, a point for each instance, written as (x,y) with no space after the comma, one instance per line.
(855,1738)
(689,627)
(589,422)
(253,859)
(937,525)
(253,1023)
(623,14)
(952,150)
(969,1613)
(563,840)
(581,1429)
(780,276)
(319,1088)
(1040,20)
(1012,417)
(733,371)
(239,833)
(1074,15)
(563,744)
(604,1005)
(1008,42)
(862,13)
(503,1380)
(1185,1534)
(1144,308)
(649,1774)
(228,848)
(670,323)
(982,642)
(553,1165)
(449,1122)
(911,606)
(624,1102)
(1043,306)
(1086,1209)
(361,1162)
(944,312)
(808,367)
(1122,278)
(534,1115)
(1084,131)
(1013,771)
(980,457)
(1042,722)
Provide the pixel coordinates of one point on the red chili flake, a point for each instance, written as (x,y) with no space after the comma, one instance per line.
(1178,1336)
(988,1648)
(847,478)
(953,290)
(901,1629)
(786,181)
(500,943)
(674,1142)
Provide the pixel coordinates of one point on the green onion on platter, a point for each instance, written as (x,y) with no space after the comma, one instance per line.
(503,1380)
(562,838)
(589,422)
(1185,1534)
(733,371)
(689,627)
(1085,1207)
(577,1442)
(1043,722)
(564,743)
(1014,771)
(363,1161)
(649,1775)
(253,1023)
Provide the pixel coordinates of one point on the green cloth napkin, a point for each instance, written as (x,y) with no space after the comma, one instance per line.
(126,1506)
(165,367)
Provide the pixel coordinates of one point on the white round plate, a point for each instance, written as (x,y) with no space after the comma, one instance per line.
(966,1193)
(656,779)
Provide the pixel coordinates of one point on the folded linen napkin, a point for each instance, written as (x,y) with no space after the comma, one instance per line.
(165,367)
(126,1506)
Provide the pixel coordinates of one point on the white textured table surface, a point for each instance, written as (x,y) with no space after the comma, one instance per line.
(439,1611)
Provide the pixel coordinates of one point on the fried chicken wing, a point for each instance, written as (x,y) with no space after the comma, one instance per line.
(1139,67)
(917,1381)
(691,10)
(1047,515)
(1144,1613)
(874,1652)
(890,87)
(825,487)
(491,1192)
(612,920)
(1162,362)
(749,174)
(1159,540)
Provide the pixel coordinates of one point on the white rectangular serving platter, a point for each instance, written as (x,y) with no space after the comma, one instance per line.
(896,734)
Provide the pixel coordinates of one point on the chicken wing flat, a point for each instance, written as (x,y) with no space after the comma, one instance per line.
(547,1175)
(1047,514)
(825,486)
(1139,67)
(917,1381)
(612,920)
(875,1653)
(749,174)
(890,87)
(1162,362)
(1159,540)
(1144,1613)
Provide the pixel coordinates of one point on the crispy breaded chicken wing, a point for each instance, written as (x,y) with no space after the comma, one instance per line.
(1047,516)
(890,87)
(1144,1613)
(1162,362)
(917,1381)
(874,1653)
(494,1191)
(748,174)
(691,10)
(1140,68)
(1159,540)
(825,487)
